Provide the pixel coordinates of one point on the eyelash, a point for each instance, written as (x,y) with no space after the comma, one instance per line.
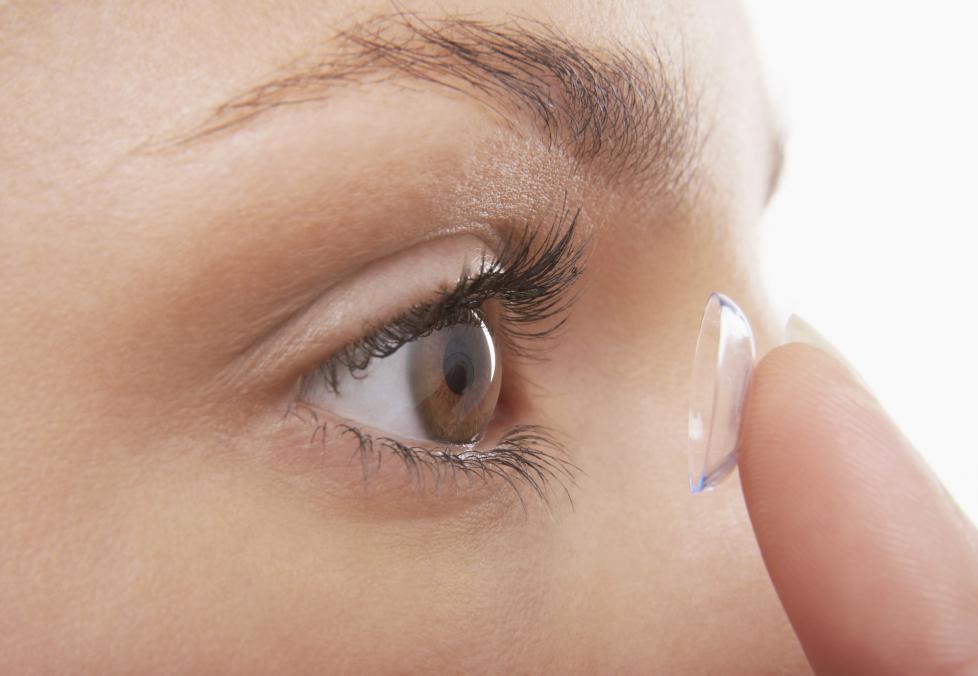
(530,281)
(526,453)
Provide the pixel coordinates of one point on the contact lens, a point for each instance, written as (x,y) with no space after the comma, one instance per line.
(722,365)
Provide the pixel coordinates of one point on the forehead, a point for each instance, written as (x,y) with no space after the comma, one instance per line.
(88,84)
(155,68)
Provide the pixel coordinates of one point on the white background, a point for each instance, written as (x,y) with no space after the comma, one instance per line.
(872,237)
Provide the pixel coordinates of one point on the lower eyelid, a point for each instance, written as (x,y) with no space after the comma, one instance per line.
(517,465)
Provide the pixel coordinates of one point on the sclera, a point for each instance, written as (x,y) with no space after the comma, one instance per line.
(722,366)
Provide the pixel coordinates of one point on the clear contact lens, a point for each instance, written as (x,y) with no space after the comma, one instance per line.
(722,365)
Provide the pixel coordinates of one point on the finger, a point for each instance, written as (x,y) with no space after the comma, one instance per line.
(874,563)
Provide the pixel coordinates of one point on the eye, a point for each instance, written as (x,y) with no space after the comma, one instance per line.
(441,387)
(426,386)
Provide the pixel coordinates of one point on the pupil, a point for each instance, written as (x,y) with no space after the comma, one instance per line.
(455,382)
(457,369)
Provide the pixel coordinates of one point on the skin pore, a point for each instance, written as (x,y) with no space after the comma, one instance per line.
(201,204)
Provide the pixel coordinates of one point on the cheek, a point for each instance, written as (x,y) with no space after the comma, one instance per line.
(179,567)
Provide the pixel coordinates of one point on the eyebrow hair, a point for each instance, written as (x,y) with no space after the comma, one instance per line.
(616,109)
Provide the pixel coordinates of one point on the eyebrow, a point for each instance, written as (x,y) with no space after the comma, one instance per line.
(624,113)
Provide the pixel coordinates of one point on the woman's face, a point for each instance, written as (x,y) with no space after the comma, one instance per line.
(210,215)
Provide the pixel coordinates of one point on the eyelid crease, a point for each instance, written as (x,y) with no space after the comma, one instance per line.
(337,310)
(290,344)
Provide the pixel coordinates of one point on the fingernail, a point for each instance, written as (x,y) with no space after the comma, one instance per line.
(797,330)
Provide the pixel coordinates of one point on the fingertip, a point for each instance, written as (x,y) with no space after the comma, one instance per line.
(861,542)
(800,400)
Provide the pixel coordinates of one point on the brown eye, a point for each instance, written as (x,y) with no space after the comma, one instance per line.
(455,379)
(441,387)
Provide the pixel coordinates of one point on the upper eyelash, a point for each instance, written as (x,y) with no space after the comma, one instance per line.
(529,278)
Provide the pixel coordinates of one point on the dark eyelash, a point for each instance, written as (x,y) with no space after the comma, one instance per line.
(529,278)
(526,452)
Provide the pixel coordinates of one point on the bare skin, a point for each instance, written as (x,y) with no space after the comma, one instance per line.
(170,266)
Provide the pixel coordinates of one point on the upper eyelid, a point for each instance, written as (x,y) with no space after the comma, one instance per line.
(341,313)
(530,279)
(545,253)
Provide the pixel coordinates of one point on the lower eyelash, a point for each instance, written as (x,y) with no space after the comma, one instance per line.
(526,455)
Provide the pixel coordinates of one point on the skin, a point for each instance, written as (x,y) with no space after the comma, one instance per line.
(875,564)
(158,301)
